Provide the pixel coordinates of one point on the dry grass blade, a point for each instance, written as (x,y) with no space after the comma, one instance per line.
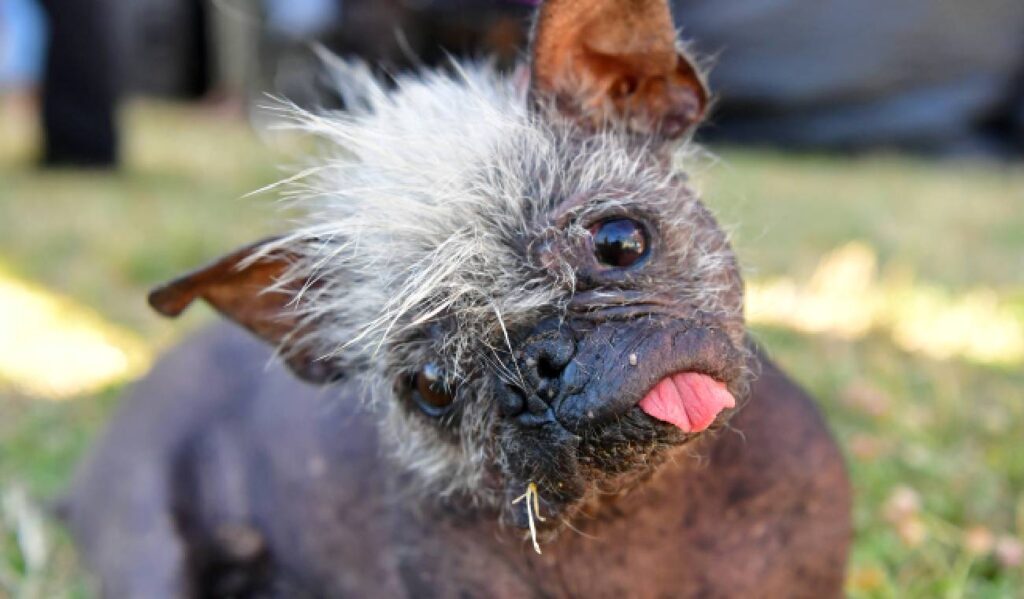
(532,498)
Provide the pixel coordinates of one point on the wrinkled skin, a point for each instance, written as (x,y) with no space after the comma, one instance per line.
(208,484)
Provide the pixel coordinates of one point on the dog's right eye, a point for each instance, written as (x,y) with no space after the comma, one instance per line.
(430,392)
(619,242)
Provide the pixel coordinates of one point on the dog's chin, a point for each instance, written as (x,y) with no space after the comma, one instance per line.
(586,475)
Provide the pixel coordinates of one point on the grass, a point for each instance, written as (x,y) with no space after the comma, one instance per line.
(933,437)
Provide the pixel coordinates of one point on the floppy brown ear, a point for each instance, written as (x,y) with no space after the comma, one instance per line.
(249,287)
(616,61)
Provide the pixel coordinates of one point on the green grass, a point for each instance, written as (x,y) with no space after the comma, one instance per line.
(935,445)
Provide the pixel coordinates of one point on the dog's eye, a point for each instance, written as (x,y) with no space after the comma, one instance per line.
(619,242)
(430,391)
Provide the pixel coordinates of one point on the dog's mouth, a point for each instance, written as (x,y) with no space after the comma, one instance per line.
(604,406)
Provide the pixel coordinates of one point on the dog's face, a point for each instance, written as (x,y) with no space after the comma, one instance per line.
(530,294)
(535,346)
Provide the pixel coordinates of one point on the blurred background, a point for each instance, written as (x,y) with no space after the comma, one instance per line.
(867,155)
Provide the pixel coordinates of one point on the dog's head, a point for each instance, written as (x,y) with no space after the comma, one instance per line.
(516,272)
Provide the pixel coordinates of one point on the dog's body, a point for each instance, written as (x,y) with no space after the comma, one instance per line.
(276,492)
(525,317)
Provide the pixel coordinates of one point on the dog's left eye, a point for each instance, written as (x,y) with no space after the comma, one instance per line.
(619,242)
(430,392)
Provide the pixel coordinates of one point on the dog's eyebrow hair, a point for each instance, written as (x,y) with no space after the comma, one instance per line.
(564,211)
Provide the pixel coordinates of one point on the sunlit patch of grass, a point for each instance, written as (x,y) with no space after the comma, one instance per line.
(55,349)
(954,224)
(846,297)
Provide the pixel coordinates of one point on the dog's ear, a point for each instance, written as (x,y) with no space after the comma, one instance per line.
(251,287)
(619,62)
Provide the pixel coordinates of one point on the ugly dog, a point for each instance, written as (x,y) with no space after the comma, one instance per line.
(525,370)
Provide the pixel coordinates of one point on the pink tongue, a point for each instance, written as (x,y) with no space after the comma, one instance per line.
(688,400)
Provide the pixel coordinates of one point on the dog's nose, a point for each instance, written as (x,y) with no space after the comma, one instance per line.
(545,358)
(538,370)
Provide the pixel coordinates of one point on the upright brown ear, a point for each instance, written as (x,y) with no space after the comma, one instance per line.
(617,61)
(248,287)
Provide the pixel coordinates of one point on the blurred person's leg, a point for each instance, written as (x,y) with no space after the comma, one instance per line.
(1018,124)
(235,27)
(80,88)
(199,76)
(1015,130)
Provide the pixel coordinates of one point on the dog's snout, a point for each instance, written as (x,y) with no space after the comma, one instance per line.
(538,369)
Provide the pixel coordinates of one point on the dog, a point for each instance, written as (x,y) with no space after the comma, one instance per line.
(507,357)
